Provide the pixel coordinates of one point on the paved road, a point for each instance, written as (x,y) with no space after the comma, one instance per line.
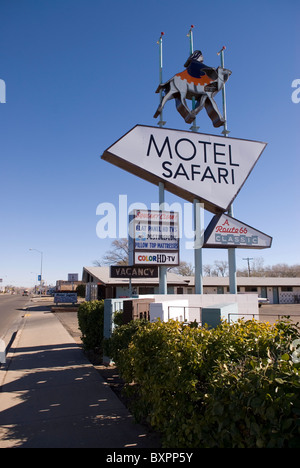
(11,312)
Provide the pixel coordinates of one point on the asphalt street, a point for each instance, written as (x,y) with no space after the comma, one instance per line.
(12,308)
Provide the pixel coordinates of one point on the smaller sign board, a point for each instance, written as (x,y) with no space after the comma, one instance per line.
(226,232)
(156,258)
(154,237)
(72,276)
(65,298)
(120,271)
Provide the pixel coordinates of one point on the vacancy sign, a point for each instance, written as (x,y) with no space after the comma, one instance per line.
(191,165)
(225,232)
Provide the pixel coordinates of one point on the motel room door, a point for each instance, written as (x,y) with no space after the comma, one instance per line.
(275,295)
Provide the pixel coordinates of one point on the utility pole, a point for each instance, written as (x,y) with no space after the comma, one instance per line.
(248,261)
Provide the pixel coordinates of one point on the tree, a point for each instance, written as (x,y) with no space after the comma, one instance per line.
(184,269)
(221,267)
(117,255)
(208,270)
(256,268)
(278,270)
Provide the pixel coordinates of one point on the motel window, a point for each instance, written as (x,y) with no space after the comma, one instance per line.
(146,290)
(251,289)
(286,289)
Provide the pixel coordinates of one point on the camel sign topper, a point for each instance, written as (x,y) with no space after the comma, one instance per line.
(199,83)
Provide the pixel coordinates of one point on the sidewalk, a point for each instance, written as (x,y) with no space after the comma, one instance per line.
(52,397)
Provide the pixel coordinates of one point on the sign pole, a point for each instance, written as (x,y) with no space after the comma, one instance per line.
(231,252)
(194,127)
(161,187)
(161,122)
(198,247)
(196,206)
(162,269)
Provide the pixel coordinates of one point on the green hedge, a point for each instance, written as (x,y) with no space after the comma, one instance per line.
(90,321)
(233,386)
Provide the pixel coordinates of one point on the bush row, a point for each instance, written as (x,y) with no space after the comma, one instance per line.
(237,385)
(90,322)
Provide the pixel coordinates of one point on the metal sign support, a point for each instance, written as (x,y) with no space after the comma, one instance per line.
(197,208)
(198,247)
(162,270)
(161,122)
(194,127)
(231,252)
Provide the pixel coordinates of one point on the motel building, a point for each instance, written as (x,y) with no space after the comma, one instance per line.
(99,285)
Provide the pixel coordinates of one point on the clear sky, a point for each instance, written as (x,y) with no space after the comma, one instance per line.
(80,73)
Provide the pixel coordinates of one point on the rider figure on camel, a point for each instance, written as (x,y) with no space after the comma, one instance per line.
(194,64)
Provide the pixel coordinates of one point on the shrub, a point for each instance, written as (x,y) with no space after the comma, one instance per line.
(81,290)
(90,321)
(117,346)
(232,386)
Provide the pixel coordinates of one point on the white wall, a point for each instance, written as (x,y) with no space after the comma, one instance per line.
(163,307)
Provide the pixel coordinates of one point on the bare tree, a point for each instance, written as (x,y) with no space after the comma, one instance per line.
(256,266)
(184,269)
(221,267)
(283,270)
(278,270)
(117,255)
(207,270)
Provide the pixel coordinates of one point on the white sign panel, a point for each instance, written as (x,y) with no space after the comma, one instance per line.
(154,237)
(162,217)
(144,231)
(72,276)
(225,231)
(192,165)
(156,258)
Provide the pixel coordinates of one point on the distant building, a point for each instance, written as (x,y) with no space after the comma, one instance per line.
(67,286)
(276,290)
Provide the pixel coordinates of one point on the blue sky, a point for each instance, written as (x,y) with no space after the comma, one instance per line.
(80,73)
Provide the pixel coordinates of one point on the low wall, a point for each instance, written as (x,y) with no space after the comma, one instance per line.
(185,307)
(188,307)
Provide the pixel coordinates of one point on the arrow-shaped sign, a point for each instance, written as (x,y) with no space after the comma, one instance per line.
(226,232)
(209,168)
